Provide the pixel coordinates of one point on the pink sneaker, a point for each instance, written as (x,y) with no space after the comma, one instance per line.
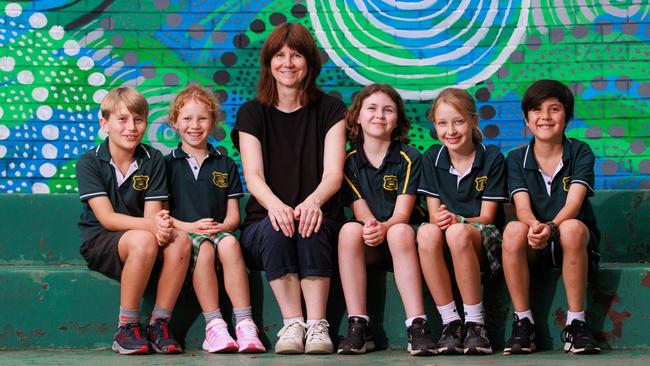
(247,337)
(217,339)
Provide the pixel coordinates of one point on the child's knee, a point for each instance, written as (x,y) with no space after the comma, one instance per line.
(206,253)
(459,237)
(350,236)
(574,235)
(180,248)
(400,232)
(141,244)
(515,231)
(429,234)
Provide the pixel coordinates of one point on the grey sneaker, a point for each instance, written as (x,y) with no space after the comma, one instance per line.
(318,339)
(290,338)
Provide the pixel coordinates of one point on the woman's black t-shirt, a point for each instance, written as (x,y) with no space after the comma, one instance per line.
(292,148)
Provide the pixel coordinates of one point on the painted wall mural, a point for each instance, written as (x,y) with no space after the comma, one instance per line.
(58,58)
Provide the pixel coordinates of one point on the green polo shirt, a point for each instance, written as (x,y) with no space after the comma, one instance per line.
(206,196)
(398,174)
(96,177)
(486,181)
(577,168)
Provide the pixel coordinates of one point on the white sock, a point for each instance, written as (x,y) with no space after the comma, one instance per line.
(525,314)
(311,322)
(409,321)
(366,317)
(474,313)
(293,320)
(448,313)
(570,316)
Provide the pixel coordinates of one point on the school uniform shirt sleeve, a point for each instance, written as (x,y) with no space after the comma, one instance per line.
(427,184)
(235,189)
(89,178)
(496,187)
(583,167)
(350,189)
(410,174)
(515,173)
(158,189)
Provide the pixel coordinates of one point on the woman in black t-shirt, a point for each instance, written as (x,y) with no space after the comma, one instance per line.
(292,144)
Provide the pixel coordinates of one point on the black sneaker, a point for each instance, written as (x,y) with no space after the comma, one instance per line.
(161,339)
(359,340)
(451,339)
(522,340)
(578,339)
(420,342)
(476,340)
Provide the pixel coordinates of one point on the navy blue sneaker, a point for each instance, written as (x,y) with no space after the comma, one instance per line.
(161,339)
(128,340)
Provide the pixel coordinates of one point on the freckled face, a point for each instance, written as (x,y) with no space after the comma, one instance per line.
(194,124)
(453,128)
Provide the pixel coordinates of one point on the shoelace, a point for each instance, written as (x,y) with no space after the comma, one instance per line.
(246,329)
(520,329)
(473,329)
(133,330)
(164,327)
(452,329)
(318,331)
(292,330)
(578,329)
(216,331)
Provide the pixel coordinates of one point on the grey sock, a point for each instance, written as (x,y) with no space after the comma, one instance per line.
(210,316)
(243,313)
(128,316)
(160,313)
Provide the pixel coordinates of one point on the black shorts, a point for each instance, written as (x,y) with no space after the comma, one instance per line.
(101,253)
(552,254)
(265,249)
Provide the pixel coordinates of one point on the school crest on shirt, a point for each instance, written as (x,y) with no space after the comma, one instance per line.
(220,179)
(140,182)
(480,183)
(390,182)
(566,183)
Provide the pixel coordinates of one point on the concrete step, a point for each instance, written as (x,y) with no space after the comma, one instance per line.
(42,229)
(71,307)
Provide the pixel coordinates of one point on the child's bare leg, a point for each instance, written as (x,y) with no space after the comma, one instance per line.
(432,259)
(137,250)
(401,242)
(515,264)
(234,272)
(465,245)
(574,237)
(176,258)
(352,268)
(204,278)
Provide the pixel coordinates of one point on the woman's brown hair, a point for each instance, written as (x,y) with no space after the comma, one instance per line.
(298,38)
(355,134)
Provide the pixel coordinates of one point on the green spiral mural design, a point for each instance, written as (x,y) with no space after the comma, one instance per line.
(419,47)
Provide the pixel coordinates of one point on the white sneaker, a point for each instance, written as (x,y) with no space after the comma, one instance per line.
(290,338)
(318,338)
